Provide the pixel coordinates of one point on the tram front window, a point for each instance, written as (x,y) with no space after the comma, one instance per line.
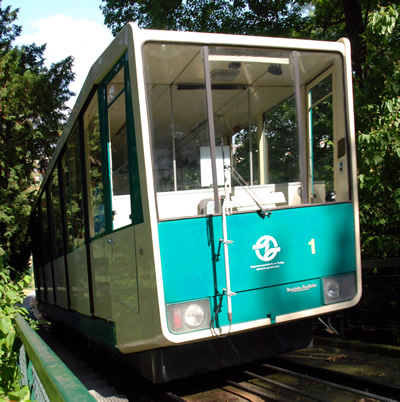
(278,127)
(176,92)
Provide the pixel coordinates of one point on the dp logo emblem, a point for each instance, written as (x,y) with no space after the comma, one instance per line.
(263,248)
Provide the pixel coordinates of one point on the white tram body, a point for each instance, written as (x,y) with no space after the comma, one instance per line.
(201,205)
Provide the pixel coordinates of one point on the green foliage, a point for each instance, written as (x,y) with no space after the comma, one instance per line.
(241,160)
(32,112)
(281,132)
(8,32)
(373,29)
(269,17)
(378,123)
(11,296)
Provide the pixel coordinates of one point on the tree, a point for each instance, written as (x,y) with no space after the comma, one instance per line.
(316,19)
(252,17)
(378,123)
(32,111)
(373,29)
(333,19)
(12,296)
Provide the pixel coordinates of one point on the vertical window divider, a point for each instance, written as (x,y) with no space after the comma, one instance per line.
(171,113)
(250,137)
(211,129)
(301,130)
(134,180)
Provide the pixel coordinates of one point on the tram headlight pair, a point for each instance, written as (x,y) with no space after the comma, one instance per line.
(339,288)
(188,316)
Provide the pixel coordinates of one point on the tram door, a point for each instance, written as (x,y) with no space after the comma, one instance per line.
(114,253)
(328,168)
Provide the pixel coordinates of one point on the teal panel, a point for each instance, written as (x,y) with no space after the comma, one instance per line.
(274,301)
(188,261)
(309,242)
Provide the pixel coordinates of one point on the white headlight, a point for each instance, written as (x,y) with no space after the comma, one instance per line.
(193,315)
(333,289)
(189,316)
(339,288)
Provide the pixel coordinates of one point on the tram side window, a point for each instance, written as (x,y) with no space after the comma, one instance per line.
(37,246)
(118,134)
(45,225)
(71,166)
(38,253)
(119,149)
(55,215)
(41,245)
(91,123)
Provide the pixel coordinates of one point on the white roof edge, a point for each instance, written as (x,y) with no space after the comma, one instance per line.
(236,40)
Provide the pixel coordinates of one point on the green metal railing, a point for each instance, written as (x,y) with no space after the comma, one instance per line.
(47,377)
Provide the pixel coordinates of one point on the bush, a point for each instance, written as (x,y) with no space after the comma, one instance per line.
(11,298)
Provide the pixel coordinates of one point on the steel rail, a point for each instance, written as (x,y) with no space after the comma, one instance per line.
(344,378)
(286,387)
(252,390)
(329,383)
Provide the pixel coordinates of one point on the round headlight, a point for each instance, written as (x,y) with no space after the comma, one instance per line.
(333,290)
(194,315)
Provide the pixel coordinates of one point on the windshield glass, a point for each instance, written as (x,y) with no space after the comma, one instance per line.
(264,127)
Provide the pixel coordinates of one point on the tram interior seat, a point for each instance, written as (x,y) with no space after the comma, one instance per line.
(175,204)
(121,211)
(179,204)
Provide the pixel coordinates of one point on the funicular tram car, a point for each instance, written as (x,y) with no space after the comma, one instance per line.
(201,205)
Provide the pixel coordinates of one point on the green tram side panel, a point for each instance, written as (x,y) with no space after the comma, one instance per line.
(97,329)
(309,242)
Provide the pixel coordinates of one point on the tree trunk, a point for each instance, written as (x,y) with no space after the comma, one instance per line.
(355,27)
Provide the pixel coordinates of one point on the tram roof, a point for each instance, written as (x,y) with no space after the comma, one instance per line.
(132,38)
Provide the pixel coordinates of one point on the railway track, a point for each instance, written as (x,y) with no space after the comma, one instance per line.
(344,381)
(277,379)
(287,379)
(276,383)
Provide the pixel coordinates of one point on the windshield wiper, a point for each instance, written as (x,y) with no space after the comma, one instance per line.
(263,212)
